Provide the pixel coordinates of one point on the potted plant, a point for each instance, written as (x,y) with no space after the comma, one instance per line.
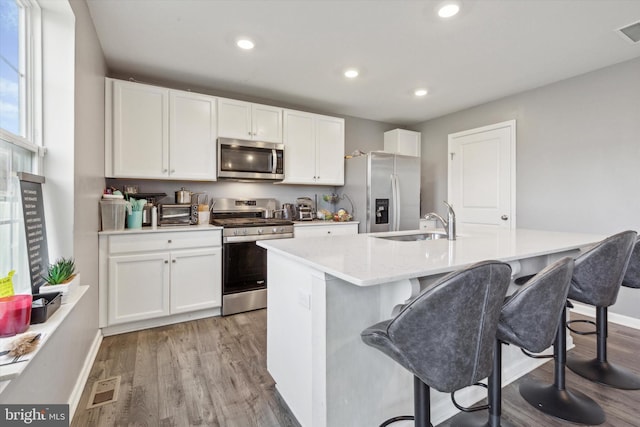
(61,277)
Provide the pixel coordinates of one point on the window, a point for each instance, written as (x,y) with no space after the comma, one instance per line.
(19,125)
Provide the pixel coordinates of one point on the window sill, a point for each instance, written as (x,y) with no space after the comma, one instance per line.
(47,329)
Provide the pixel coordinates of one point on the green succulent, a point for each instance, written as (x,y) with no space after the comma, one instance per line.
(60,271)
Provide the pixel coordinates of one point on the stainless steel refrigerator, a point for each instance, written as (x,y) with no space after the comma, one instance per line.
(385,191)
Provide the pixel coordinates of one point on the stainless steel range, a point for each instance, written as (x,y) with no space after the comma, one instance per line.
(244,266)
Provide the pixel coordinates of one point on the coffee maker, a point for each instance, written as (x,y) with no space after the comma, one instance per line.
(305,209)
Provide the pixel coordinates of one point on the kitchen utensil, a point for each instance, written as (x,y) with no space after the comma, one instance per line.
(183,197)
(289,211)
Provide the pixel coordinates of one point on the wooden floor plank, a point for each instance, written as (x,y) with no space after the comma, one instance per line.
(212,372)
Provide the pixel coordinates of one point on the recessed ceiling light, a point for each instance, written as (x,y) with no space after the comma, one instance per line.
(420,92)
(448,10)
(245,44)
(351,73)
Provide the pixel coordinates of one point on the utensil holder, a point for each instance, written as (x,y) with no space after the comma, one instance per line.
(134,219)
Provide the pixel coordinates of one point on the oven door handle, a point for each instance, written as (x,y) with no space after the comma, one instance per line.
(242,239)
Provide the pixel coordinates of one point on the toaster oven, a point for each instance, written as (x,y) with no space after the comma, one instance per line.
(175,215)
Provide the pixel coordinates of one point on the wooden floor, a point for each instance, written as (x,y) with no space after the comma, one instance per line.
(212,372)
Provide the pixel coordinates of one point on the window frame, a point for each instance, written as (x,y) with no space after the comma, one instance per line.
(30,85)
(30,138)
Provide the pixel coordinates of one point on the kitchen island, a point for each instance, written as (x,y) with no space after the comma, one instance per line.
(321,296)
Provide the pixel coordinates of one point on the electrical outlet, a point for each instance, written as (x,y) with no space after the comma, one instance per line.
(304,299)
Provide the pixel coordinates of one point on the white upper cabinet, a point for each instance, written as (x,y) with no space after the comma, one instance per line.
(402,141)
(314,149)
(154,132)
(192,136)
(244,120)
(137,136)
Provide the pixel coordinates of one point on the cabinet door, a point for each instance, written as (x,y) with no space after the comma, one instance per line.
(140,134)
(138,287)
(192,131)
(299,148)
(329,150)
(266,123)
(402,141)
(196,279)
(234,119)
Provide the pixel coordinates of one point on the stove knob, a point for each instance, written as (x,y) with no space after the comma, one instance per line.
(259,230)
(281,230)
(244,231)
(235,232)
(275,229)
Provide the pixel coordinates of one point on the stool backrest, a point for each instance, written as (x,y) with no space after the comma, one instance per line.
(446,334)
(530,317)
(598,272)
(632,275)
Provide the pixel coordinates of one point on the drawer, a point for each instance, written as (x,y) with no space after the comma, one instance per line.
(164,241)
(325,230)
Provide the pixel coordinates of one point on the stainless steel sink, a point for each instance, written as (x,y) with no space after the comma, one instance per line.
(414,237)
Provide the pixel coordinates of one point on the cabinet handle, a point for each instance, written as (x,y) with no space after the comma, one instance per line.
(173,261)
(249,132)
(173,171)
(168,241)
(166,262)
(164,170)
(329,232)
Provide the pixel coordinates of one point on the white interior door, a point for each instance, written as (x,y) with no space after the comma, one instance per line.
(482,175)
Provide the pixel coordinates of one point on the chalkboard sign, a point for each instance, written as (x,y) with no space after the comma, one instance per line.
(34,227)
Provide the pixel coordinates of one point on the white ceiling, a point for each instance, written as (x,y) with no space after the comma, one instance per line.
(493,48)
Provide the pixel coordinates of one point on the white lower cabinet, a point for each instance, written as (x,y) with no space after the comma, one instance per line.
(151,276)
(320,230)
(138,287)
(191,273)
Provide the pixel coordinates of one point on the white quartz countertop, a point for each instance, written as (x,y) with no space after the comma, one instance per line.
(365,260)
(163,229)
(322,222)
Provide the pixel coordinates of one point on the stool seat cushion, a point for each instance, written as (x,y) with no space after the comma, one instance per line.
(598,272)
(445,335)
(530,317)
(632,276)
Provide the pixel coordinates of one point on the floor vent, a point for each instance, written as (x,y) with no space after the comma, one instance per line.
(631,32)
(104,391)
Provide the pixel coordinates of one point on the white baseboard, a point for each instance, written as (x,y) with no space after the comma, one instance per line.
(76,393)
(159,321)
(620,319)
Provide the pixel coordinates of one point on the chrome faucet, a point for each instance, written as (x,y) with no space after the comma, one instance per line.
(449,225)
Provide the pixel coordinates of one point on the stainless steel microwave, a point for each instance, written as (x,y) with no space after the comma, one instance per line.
(241,159)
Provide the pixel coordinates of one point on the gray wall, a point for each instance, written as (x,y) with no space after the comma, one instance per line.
(53,374)
(578,155)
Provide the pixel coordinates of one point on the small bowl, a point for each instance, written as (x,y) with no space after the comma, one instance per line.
(15,314)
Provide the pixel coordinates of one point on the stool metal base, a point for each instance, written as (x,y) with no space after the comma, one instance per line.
(566,405)
(604,373)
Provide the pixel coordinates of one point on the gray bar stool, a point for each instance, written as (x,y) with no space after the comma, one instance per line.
(529,319)
(597,278)
(445,336)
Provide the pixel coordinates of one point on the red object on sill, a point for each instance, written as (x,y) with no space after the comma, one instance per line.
(15,314)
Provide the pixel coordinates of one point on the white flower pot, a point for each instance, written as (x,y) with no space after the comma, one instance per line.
(65,288)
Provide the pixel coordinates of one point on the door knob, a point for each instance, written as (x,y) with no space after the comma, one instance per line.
(504,217)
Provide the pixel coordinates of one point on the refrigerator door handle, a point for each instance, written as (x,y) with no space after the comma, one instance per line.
(395,200)
(398,203)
